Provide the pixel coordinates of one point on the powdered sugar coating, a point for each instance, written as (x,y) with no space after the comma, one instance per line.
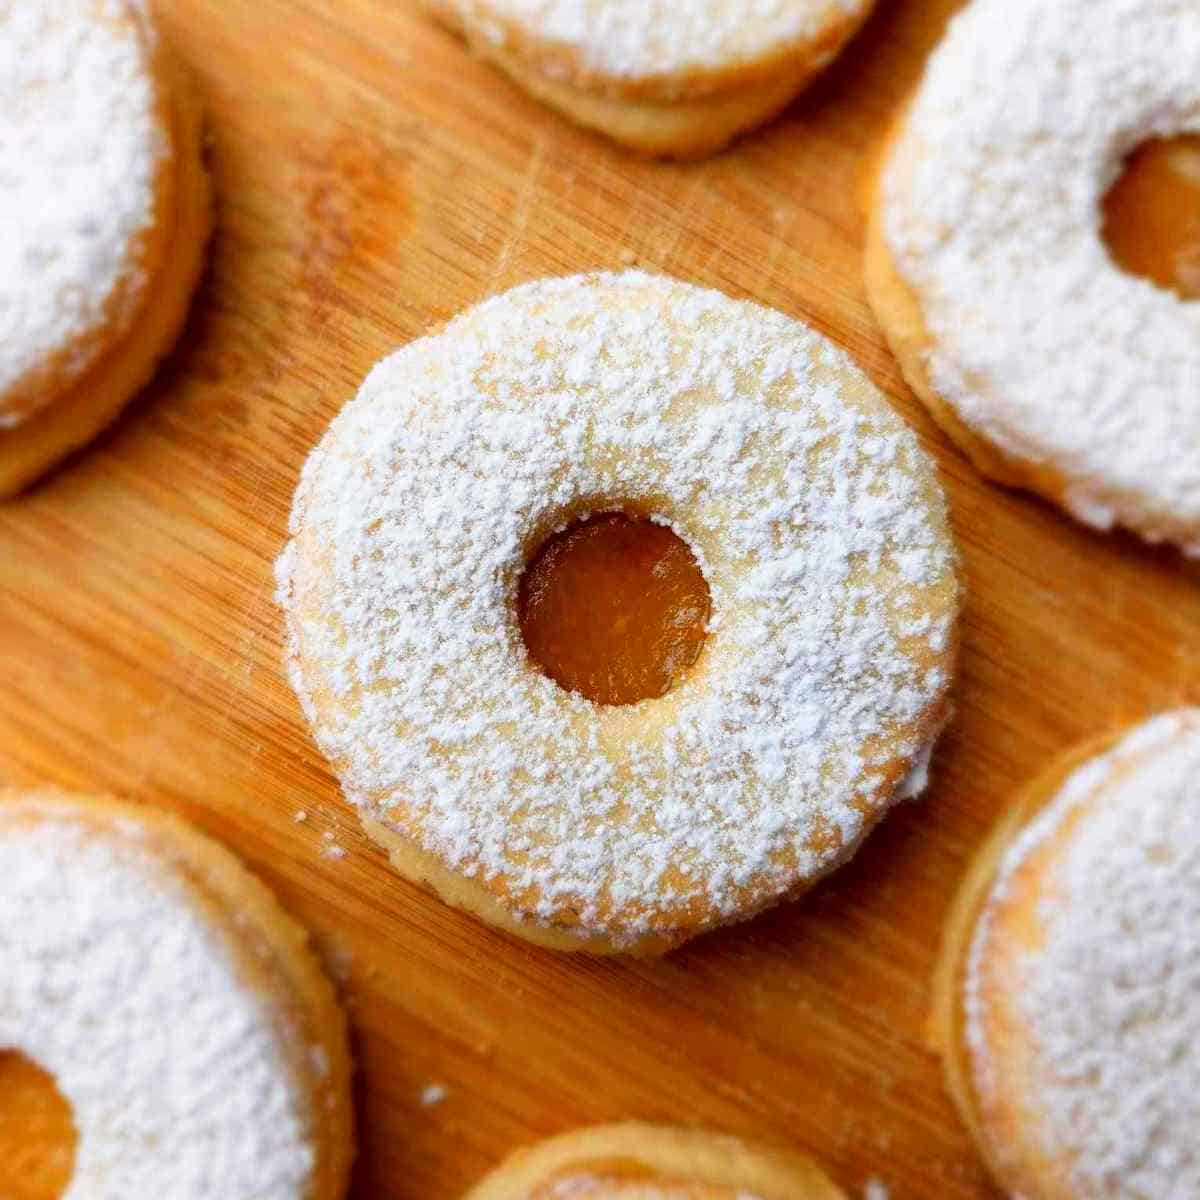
(80,148)
(115,980)
(808,505)
(1106,994)
(993,217)
(637,39)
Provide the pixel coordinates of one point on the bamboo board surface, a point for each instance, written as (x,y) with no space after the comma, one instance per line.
(373,179)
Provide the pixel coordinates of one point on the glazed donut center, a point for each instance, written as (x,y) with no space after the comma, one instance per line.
(614,607)
(37,1132)
(1152,215)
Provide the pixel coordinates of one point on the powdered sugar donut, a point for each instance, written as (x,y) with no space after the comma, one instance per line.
(822,534)
(987,268)
(106,209)
(1069,1007)
(633,1161)
(680,80)
(180,1011)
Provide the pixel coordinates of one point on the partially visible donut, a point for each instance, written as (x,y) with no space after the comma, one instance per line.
(986,266)
(106,210)
(1068,999)
(633,1161)
(180,1011)
(809,507)
(663,78)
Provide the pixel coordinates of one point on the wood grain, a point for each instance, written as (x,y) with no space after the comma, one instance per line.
(373,180)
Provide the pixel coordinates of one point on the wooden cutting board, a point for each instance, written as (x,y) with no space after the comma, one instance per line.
(373,180)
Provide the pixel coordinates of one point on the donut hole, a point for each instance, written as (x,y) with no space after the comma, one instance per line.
(37,1131)
(1152,215)
(614,607)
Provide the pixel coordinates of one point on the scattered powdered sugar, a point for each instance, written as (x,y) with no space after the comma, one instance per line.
(993,215)
(632,39)
(330,848)
(432,1094)
(875,1190)
(79,153)
(800,492)
(916,782)
(1110,1001)
(113,979)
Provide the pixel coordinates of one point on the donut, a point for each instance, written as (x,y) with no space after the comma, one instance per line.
(180,1011)
(106,209)
(1050,364)
(662,78)
(829,626)
(633,1161)
(1067,992)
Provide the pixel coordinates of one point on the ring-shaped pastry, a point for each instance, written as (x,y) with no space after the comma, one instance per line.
(1052,368)
(820,528)
(679,80)
(633,1161)
(180,1011)
(1067,992)
(106,208)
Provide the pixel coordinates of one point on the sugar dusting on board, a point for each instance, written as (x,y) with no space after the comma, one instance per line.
(114,981)
(993,216)
(635,38)
(1110,1002)
(808,506)
(331,848)
(80,148)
